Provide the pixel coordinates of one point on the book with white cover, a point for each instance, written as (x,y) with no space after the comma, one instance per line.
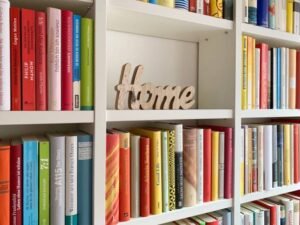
(200,6)
(268,157)
(200,165)
(274,76)
(283,16)
(283,78)
(245,11)
(287,77)
(221,164)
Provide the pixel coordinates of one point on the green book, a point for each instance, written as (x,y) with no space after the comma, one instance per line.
(87,65)
(44,174)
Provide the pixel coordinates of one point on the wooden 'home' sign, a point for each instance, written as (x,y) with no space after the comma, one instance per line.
(149,96)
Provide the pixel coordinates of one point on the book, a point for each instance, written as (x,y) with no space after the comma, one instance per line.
(221,166)
(5,212)
(245,16)
(228,9)
(286,154)
(165,172)
(206,7)
(252,12)
(262,13)
(200,166)
(216,8)
(15,58)
(250,73)
(260,155)
(272,14)
(271,207)
(249,153)
(215,136)
(296,153)
(296,16)
(5,88)
(200,7)
(28,59)
(298,80)
(167,3)
(207,165)
(280,137)
(242,164)
(291,153)
(54,59)
(66,60)
(41,61)
(289,16)
(278,79)
(209,220)
(274,77)
(274,157)
(263,75)
(44,181)
(85,178)
(244,95)
(30,181)
(268,157)
(76,61)
(192,5)
(145,177)
(292,78)
(254,159)
(87,65)
(283,78)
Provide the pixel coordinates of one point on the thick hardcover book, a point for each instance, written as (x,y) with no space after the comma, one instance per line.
(28,59)
(167,3)
(215,136)
(254,84)
(254,171)
(30,181)
(206,7)
(274,77)
(292,153)
(292,78)
(250,74)
(66,60)
(87,64)
(216,8)
(57,173)
(54,59)
(112,179)
(145,176)
(296,153)
(289,16)
(228,9)
(41,61)
(252,12)
(245,73)
(165,171)
(16,166)
(286,154)
(249,154)
(260,156)
(200,7)
(15,58)
(274,157)
(171,169)
(268,157)
(263,75)
(200,149)
(280,137)
(207,158)
(298,80)
(5,212)
(242,163)
(76,61)
(85,179)
(190,166)
(284,86)
(192,5)
(272,14)
(221,164)
(262,13)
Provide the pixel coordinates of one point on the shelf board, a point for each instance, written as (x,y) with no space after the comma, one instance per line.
(267,194)
(155,115)
(137,17)
(273,37)
(270,113)
(77,6)
(45,117)
(180,213)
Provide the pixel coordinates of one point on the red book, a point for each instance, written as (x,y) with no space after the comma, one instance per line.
(206,4)
(207,165)
(16,183)
(263,75)
(28,59)
(66,60)
(192,5)
(272,208)
(15,58)
(40,69)
(296,153)
(144,176)
(298,80)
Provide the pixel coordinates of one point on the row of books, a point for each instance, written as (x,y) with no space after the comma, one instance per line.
(270,76)
(47,60)
(215,8)
(281,15)
(46,180)
(270,156)
(166,167)
(214,218)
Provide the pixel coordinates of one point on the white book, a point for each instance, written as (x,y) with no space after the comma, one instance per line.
(296,19)
(246,155)
(296,203)
(274,75)
(221,164)
(71,176)
(134,176)
(165,170)
(4,56)
(257,77)
(287,77)
(292,153)
(200,143)
(245,11)
(283,78)
(278,14)
(54,58)
(248,216)
(258,214)
(242,216)
(283,15)
(268,157)
(260,158)
(274,157)
(200,6)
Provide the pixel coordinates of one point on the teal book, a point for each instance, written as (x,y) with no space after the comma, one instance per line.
(85,179)
(30,181)
(165,171)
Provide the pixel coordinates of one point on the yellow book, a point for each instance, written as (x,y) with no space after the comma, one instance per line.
(253,75)
(215,166)
(249,71)
(242,165)
(286,154)
(167,3)
(289,16)
(244,73)
(143,0)
(216,8)
(155,167)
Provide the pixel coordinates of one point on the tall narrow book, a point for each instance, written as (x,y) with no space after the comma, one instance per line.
(145,176)
(165,170)
(76,61)
(171,169)
(214,165)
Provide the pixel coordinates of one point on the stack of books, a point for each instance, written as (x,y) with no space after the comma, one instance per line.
(270,76)
(46,179)
(166,167)
(270,156)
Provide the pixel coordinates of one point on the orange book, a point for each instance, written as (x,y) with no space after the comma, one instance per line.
(292,79)
(4,183)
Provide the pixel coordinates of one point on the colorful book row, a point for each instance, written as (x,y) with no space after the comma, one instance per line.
(270,76)
(49,64)
(166,167)
(215,8)
(46,180)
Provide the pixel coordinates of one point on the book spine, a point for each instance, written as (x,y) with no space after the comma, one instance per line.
(260,155)
(283,78)
(66,60)
(216,8)
(192,5)
(112,179)
(278,14)
(153,1)
(165,171)
(5,88)
(54,59)
(206,7)
(71,180)
(85,175)
(200,165)
(262,13)
(271,12)
(296,154)
(278,78)
(15,184)
(228,9)
(57,188)
(274,77)
(245,11)
(76,61)
(171,169)
(268,157)
(287,77)
(257,77)
(221,166)
(280,137)
(167,3)
(145,176)
(179,166)
(44,182)
(249,71)
(244,74)
(28,59)
(40,48)
(242,164)
(87,64)
(292,78)
(15,54)
(253,88)
(254,159)
(292,153)
(289,16)
(207,163)
(286,154)
(249,163)
(252,12)
(30,182)
(283,7)
(200,7)
(296,18)
(274,157)
(270,106)
(214,165)
(298,80)
(263,76)
(5,213)
(246,157)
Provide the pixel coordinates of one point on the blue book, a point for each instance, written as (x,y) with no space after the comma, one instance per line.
(252,12)
(30,181)
(272,18)
(262,13)
(76,61)
(280,154)
(153,1)
(278,89)
(85,179)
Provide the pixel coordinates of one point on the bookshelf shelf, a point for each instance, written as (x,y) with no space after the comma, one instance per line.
(181,213)
(270,113)
(150,115)
(153,20)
